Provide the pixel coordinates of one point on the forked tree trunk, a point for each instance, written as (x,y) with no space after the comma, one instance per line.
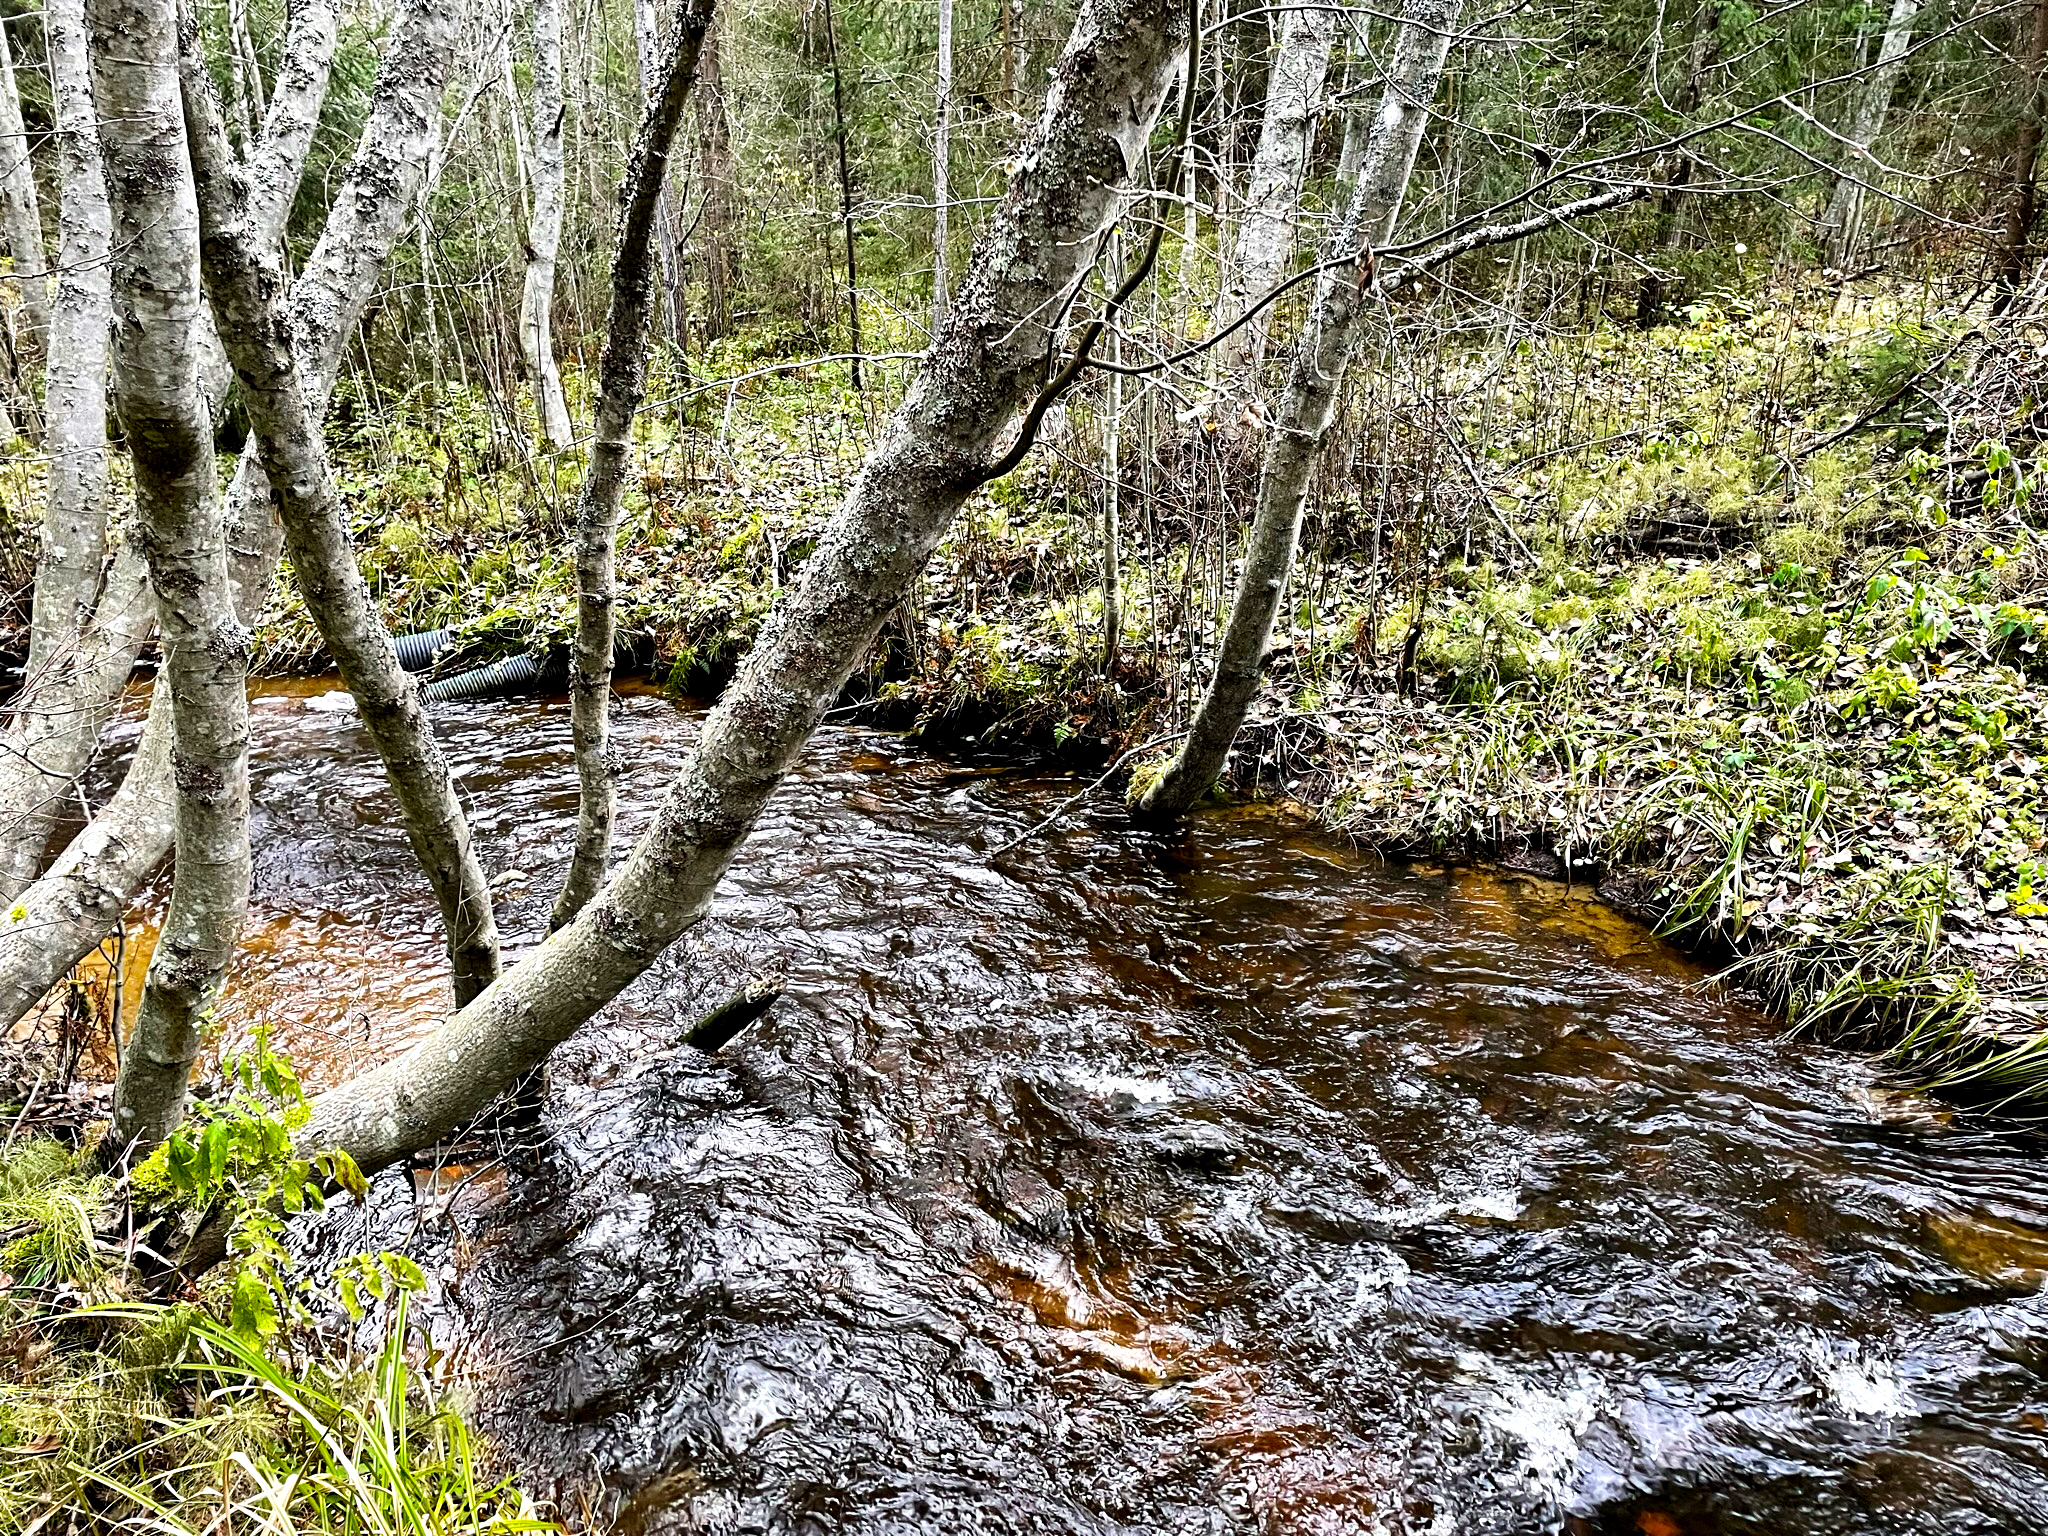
(544,233)
(981,373)
(1841,226)
(21,216)
(1309,403)
(2023,200)
(622,381)
(78,902)
(942,149)
(206,648)
(246,281)
(1265,233)
(63,703)
(71,690)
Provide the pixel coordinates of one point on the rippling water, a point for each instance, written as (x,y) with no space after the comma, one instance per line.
(1232,1182)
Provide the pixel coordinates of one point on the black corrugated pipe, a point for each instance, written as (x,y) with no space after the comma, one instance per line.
(500,677)
(418,652)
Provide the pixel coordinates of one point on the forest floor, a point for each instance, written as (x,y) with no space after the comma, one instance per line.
(1741,619)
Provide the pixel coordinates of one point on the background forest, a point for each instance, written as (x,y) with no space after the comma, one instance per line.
(1599,441)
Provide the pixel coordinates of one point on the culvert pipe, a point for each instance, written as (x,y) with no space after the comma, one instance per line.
(418,652)
(500,677)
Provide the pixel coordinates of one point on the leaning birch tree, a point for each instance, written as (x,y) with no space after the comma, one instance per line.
(246,282)
(621,383)
(82,629)
(1309,402)
(971,414)
(78,902)
(1265,233)
(164,415)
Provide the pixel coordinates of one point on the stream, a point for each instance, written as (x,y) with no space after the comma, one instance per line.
(1226,1182)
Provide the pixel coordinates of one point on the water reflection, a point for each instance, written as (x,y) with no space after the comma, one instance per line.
(1232,1183)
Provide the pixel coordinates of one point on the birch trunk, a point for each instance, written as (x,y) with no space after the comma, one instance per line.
(1265,235)
(206,647)
(647,44)
(981,374)
(622,381)
(1841,226)
(544,233)
(246,282)
(59,714)
(278,159)
(942,148)
(77,903)
(21,214)
(1309,402)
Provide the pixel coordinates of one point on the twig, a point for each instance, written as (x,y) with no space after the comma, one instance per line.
(1073,800)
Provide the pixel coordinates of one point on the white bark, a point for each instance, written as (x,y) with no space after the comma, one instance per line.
(206,647)
(1841,226)
(246,281)
(982,373)
(289,122)
(647,50)
(942,149)
(21,216)
(65,700)
(1265,236)
(1309,403)
(77,903)
(544,231)
(621,383)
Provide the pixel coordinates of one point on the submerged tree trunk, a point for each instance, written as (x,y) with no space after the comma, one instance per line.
(544,233)
(622,381)
(1841,226)
(1265,235)
(77,903)
(982,373)
(21,215)
(206,647)
(64,702)
(2023,200)
(1309,402)
(246,281)
(942,149)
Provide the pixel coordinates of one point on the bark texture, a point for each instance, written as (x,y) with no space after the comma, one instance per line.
(206,647)
(1841,226)
(647,50)
(984,371)
(64,702)
(621,383)
(544,230)
(1309,402)
(278,159)
(246,282)
(78,902)
(1265,234)
(21,215)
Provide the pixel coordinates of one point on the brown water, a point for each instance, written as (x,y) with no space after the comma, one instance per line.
(1223,1183)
